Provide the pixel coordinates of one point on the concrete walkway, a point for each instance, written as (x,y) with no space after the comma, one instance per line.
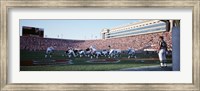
(149,68)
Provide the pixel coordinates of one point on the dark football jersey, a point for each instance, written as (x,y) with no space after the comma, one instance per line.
(163,45)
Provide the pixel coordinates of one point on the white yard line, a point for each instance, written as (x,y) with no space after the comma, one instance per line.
(149,68)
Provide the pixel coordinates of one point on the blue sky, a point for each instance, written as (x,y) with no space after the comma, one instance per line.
(73,29)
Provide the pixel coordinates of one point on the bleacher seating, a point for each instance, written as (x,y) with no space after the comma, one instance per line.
(138,42)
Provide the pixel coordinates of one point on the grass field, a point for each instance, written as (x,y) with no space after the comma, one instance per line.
(80,64)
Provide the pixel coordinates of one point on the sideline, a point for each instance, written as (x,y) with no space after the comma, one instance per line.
(149,68)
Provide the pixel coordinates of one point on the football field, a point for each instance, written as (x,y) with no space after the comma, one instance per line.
(36,61)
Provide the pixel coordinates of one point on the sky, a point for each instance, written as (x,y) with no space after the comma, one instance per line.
(73,29)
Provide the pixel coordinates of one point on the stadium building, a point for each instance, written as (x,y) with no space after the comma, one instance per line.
(32,31)
(138,28)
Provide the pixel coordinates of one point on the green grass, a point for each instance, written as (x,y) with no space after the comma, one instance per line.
(80,64)
(94,67)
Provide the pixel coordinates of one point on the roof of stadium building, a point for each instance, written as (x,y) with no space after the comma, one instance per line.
(126,25)
(133,23)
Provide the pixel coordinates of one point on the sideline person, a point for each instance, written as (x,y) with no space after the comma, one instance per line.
(162,52)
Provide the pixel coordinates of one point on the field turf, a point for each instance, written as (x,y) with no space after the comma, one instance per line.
(80,64)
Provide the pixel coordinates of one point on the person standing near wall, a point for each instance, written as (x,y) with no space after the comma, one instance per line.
(162,52)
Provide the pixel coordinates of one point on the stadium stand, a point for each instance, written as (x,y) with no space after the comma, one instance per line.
(138,42)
